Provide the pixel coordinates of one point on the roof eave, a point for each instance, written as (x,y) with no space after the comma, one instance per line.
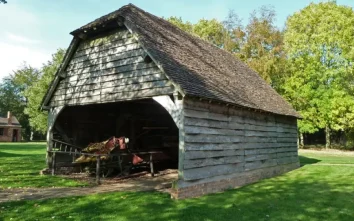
(60,72)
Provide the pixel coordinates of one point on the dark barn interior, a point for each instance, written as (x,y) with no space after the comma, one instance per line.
(147,125)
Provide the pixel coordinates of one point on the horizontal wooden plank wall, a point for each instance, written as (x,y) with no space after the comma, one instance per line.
(107,69)
(221,140)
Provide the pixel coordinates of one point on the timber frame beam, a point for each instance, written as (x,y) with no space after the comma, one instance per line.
(52,117)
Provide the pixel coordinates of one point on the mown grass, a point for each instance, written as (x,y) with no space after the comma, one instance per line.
(313,192)
(20,164)
(324,157)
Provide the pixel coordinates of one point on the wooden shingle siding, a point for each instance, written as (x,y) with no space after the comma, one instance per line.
(221,141)
(108,69)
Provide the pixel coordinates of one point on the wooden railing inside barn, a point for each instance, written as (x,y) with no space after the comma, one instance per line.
(66,148)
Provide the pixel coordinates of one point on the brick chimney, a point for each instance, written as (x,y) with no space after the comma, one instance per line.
(9,118)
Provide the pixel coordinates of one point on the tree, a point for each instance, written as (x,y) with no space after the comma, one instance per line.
(185,26)
(319,45)
(36,92)
(24,77)
(12,100)
(3,1)
(263,45)
(259,44)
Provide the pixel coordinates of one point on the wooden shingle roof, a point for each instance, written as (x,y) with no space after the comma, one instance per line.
(198,67)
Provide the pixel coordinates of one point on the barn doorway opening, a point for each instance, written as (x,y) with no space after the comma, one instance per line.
(149,134)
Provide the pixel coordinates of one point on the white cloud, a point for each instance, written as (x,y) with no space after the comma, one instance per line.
(20,39)
(12,56)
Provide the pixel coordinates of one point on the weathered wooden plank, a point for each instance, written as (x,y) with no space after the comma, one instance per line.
(115,76)
(260,164)
(212,146)
(113,44)
(286,139)
(136,87)
(107,65)
(257,157)
(94,59)
(191,121)
(107,39)
(210,171)
(207,130)
(260,151)
(286,149)
(287,154)
(133,80)
(114,90)
(188,164)
(107,53)
(75,89)
(108,71)
(210,123)
(205,115)
(234,121)
(139,93)
(110,51)
(251,133)
(212,139)
(111,87)
(259,145)
(146,93)
(287,160)
(249,146)
(260,140)
(113,83)
(200,154)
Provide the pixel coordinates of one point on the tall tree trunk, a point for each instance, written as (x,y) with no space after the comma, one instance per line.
(328,137)
(301,140)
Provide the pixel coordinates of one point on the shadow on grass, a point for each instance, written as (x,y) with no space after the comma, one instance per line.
(22,146)
(304,194)
(5,154)
(307,160)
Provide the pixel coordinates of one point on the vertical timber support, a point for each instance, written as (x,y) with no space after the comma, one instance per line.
(175,109)
(98,170)
(151,166)
(52,117)
(53,163)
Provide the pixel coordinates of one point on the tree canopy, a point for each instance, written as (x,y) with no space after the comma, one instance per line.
(35,93)
(259,44)
(319,46)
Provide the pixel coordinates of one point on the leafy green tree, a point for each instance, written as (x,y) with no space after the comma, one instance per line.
(36,92)
(262,48)
(12,100)
(319,45)
(259,44)
(185,26)
(24,77)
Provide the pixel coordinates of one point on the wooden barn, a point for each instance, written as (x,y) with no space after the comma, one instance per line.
(134,75)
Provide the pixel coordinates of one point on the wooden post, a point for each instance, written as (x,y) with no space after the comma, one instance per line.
(98,159)
(120,165)
(53,163)
(151,165)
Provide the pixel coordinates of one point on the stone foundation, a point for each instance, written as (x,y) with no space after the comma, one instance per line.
(190,190)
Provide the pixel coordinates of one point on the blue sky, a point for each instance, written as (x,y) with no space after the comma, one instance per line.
(32,30)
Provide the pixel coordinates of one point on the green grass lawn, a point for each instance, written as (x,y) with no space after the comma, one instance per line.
(323,157)
(313,192)
(20,164)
